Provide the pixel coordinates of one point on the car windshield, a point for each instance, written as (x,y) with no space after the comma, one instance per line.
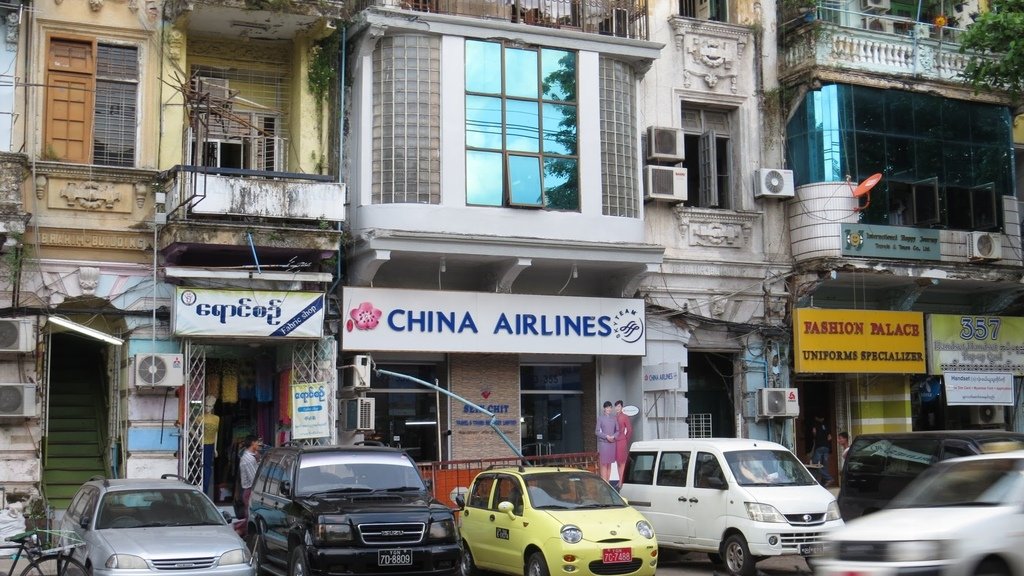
(767,468)
(341,473)
(153,507)
(571,491)
(976,482)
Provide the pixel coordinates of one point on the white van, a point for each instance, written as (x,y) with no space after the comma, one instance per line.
(739,500)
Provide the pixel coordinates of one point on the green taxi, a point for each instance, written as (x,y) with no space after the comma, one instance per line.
(546,521)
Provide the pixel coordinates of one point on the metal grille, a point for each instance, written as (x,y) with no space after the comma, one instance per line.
(620,189)
(602,569)
(315,362)
(407,120)
(805,519)
(793,541)
(405,533)
(700,425)
(114,117)
(195,393)
(185,563)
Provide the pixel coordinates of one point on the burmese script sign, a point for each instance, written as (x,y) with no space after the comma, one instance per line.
(858,341)
(967,343)
(978,389)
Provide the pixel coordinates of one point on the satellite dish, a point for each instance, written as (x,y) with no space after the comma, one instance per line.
(864,189)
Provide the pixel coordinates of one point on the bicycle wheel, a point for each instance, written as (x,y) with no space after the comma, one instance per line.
(55,565)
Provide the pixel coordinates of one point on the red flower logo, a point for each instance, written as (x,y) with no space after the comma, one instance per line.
(364,317)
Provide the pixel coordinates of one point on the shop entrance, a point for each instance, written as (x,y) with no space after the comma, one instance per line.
(551,399)
(406,415)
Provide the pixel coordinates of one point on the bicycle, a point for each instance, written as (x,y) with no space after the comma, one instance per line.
(42,562)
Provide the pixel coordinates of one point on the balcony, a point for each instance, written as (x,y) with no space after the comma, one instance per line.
(620,18)
(836,42)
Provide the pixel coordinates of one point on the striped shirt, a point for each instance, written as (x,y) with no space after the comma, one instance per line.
(247,469)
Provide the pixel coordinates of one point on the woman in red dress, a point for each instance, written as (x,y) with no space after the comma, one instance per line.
(622,441)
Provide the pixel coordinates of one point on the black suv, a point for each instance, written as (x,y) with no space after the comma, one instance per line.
(352,510)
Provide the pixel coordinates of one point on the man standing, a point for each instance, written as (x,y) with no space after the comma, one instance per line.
(247,466)
(822,447)
(622,442)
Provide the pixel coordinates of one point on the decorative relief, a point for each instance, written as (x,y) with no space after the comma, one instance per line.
(714,54)
(40,187)
(269,52)
(88,279)
(13,19)
(90,195)
(175,43)
(716,228)
(95,5)
(141,191)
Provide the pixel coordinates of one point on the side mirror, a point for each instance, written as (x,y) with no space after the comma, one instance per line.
(460,501)
(227,516)
(286,488)
(506,507)
(85,521)
(717,483)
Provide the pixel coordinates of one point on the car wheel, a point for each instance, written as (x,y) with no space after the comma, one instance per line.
(992,567)
(737,556)
(537,565)
(467,567)
(715,558)
(297,566)
(255,542)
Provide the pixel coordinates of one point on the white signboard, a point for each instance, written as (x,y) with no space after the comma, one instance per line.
(978,388)
(309,411)
(664,376)
(436,321)
(256,313)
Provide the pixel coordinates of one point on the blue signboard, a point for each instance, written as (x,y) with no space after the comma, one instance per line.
(878,241)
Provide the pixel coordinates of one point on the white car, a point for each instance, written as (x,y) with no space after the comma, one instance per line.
(961,517)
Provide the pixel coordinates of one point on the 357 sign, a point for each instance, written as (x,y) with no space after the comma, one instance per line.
(970,343)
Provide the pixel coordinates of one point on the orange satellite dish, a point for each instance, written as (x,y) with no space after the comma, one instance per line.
(864,189)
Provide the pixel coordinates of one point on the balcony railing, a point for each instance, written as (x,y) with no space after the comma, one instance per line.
(622,18)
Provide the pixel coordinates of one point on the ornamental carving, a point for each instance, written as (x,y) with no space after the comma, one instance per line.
(712,52)
(88,279)
(90,195)
(715,228)
(234,51)
(13,20)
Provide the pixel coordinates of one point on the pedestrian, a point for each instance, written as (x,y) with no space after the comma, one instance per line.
(821,448)
(843,439)
(247,465)
(622,442)
(607,432)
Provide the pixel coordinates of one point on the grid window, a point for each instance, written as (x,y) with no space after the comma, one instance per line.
(521,127)
(706,138)
(91,102)
(407,120)
(620,188)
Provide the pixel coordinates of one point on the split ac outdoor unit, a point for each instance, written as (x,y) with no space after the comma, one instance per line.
(665,183)
(17,400)
(357,376)
(985,246)
(986,415)
(876,5)
(773,183)
(217,90)
(777,402)
(158,370)
(358,413)
(665,144)
(879,25)
(17,335)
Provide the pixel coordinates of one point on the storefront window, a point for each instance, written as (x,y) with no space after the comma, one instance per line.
(551,398)
(405,412)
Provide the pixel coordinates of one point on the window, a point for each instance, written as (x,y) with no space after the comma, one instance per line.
(521,127)
(672,468)
(620,187)
(706,140)
(708,472)
(640,468)
(91,99)
(481,494)
(717,10)
(551,398)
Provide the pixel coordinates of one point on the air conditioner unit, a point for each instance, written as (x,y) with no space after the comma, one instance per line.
(773,183)
(777,402)
(665,144)
(665,183)
(985,246)
(358,413)
(879,25)
(158,371)
(876,5)
(987,415)
(357,378)
(212,90)
(17,335)
(17,400)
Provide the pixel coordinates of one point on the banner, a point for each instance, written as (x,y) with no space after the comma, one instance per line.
(858,341)
(310,418)
(966,343)
(254,313)
(978,389)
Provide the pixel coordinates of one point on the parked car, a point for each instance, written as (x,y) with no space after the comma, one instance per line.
(879,466)
(736,499)
(349,510)
(142,526)
(959,517)
(544,520)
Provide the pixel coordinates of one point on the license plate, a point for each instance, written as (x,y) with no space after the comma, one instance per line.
(811,549)
(617,555)
(400,557)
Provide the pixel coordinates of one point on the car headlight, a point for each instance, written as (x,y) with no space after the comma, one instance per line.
(126,562)
(763,513)
(442,531)
(334,533)
(917,551)
(238,556)
(571,534)
(645,529)
(832,512)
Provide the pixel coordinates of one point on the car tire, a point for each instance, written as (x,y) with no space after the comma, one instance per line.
(537,565)
(992,567)
(467,566)
(255,542)
(715,558)
(736,555)
(297,564)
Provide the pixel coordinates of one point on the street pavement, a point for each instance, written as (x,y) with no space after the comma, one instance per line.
(672,563)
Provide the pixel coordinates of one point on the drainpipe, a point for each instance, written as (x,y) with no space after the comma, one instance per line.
(341,145)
